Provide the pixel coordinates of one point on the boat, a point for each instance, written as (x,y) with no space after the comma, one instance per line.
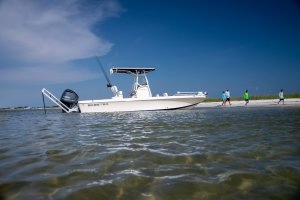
(140,98)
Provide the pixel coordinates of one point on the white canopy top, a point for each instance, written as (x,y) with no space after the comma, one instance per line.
(129,70)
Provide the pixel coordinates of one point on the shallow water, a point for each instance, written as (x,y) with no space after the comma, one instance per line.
(207,153)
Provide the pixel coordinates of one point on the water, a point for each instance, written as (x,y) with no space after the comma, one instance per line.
(207,153)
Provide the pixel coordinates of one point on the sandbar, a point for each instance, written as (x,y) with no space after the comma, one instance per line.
(253,103)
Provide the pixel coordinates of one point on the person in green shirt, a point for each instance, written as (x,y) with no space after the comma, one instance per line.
(223,97)
(246,97)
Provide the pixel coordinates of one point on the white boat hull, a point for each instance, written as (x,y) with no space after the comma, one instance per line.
(134,104)
(141,98)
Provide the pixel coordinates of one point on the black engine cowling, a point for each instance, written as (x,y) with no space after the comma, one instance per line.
(69,98)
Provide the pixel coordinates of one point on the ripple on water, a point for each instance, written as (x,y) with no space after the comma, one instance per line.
(231,153)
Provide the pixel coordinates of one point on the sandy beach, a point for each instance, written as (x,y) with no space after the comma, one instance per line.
(253,103)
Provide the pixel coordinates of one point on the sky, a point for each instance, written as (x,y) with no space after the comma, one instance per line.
(195,45)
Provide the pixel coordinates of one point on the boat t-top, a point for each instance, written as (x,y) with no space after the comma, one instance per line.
(140,98)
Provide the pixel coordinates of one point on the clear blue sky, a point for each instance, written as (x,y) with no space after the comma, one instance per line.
(195,45)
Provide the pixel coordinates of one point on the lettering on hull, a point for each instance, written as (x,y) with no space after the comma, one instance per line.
(97,104)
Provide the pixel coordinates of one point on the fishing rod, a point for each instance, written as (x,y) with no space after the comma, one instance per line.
(103,71)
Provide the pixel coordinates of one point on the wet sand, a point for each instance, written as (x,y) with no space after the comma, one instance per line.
(253,103)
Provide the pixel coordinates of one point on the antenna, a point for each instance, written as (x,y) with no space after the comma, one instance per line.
(103,71)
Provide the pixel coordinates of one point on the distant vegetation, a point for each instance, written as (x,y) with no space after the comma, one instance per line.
(286,96)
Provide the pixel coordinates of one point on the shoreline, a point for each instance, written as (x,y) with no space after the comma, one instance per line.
(252,103)
(295,102)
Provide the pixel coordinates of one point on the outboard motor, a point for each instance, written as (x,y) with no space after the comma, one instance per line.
(69,98)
